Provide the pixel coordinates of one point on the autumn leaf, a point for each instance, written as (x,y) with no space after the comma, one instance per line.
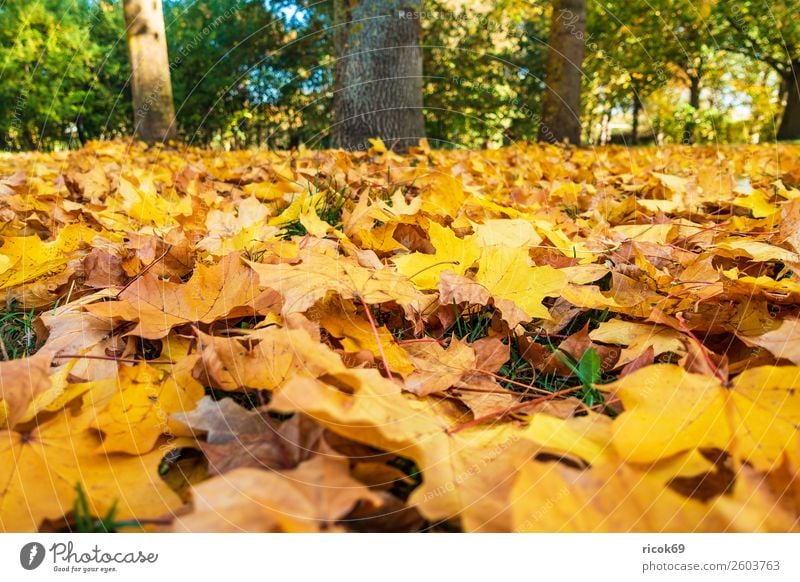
(302,285)
(555,498)
(307,499)
(668,410)
(226,289)
(637,338)
(356,334)
(21,381)
(275,445)
(507,275)
(264,359)
(436,368)
(221,420)
(138,413)
(27,258)
(452,254)
(49,461)
(783,342)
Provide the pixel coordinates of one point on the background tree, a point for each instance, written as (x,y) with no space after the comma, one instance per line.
(622,66)
(154,113)
(378,73)
(561,111)
(484,65)
(769,32)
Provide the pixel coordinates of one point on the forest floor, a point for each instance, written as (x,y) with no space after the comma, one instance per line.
(528,339)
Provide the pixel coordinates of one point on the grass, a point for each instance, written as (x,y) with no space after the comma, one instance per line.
(588,371)
(594,317)
(471,324)
(517,369)
(329,209)
(17,337)
(85,522)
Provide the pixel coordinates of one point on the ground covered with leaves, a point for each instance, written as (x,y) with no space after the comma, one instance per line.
(528,339)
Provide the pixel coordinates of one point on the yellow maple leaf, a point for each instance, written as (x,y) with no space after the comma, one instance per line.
(42,468)
(356,335)
(26,258)
(304,284)
(506,274)
(669,410)
(638,337)
(216,291)
(138,413)
(452,254)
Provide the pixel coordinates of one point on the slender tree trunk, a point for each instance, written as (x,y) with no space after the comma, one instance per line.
(378,75)
(790,121)
(637,108)
(694,101)
(154,114)
(561,111)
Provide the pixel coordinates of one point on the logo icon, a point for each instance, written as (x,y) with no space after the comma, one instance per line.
(31,555)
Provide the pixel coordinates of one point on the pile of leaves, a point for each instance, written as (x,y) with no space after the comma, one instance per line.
(528,339)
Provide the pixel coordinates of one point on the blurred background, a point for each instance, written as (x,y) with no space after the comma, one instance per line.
(260,73)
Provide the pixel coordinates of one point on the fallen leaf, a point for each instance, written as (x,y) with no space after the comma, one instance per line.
(227,289)
(307,499)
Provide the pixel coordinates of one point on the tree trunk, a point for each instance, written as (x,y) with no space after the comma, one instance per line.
(694,101)
(561,111)
(154,114)
(378,74)
(637,108)
(790,121)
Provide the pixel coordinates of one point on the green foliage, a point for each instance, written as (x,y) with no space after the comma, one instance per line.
(588,371)
(247,72)
(255,73)
(63,73)
(85,522)
(484,68)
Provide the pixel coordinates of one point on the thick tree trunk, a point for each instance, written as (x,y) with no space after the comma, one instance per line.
(790,121)
(561,111)
(694,101)
(378,75)
(154,114)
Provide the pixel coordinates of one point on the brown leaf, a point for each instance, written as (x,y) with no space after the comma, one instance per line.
(275,446)
(226,289)
(391,516)
(222,420)
(437,368)
(309,498)
(103,269)
(490,353)
(646,358)
(21,381)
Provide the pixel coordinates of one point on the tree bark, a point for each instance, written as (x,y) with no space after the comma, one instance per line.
(694,102)
(561,111)
(154,113)
(378,74)
(789,128)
